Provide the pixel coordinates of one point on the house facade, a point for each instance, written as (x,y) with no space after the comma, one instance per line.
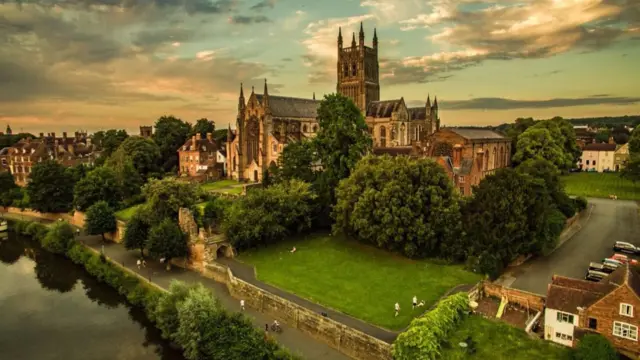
(198,158)
(577,307)
(621,157)
(597,157)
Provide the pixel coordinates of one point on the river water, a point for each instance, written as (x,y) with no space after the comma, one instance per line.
(51,309)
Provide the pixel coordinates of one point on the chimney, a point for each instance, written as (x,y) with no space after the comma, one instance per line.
(457,155)
(64,135)
(611,141)
(41,135)
(193,140)
(53,135)
(209,136)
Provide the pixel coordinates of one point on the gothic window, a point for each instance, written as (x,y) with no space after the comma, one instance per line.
(354,69)
(393,133)
(346,70)
(494,160)
(252,140)
(304,128)
(503,159)
(315,128)
(402,132)
(234,163)
(275,147)
(383,136)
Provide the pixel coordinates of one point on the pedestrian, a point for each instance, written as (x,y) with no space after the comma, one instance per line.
(78,232)
(414,302)
(266,328)
(162,260)
(139,263)
(397,309)
(242,304)
(102,249)
(144,263)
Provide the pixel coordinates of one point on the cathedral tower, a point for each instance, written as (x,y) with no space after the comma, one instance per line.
(358,71)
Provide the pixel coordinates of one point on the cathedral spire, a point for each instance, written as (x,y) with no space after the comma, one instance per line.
(353,40)
(265,99)
(314,95)
(241,98)
(375,39)
(429,101)
(435,102)
(361,35)
(229,133)
(266,92)
(340,37)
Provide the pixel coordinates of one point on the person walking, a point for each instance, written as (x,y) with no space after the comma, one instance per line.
(397,307)
(138,263)
(144,263)
(414,301)
(242,304)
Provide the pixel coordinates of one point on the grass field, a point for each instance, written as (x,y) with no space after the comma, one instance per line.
(601,185)
(355,279)
(220,184)
(126,214)
(499,341)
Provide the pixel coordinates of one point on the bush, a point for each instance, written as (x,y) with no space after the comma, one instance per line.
(426,334)
(580,203)
(37,230)
(595,347)
(59,238)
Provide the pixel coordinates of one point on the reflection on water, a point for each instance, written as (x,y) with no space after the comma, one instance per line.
(52,309)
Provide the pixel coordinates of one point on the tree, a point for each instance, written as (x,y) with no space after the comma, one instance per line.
(400,204)
(620,134)
(165,198)
(514,130)
(632,170)
(549,174)
(78,172)
(569,143)
(538,143)
(50,188)
(144,154)
(108,141)
(296,162)
(203,126)
(9,191)
(166,311)
(194,317)
(220,136)
(167,241)
(136,234)
(126,173)
(595,347)
(100,184)
(100,219)
(170,133)
(59,238)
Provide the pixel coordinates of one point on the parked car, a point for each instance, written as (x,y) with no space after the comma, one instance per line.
(593,275)
(624,259)
(625,247)
(600,267)
(611,264)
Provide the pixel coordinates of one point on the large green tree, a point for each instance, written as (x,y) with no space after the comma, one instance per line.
(170,133)
(202,127)
(9,191)
(145,155)
(401,204)
(167,241)
(100,219)
(100,184)
(108,141)
(59,238)
(569,143)
(595,347)
(296,162)
(539,143)
(50,187)
(632,170)
(128,177)
(136,233)
(165,198)
(553,187)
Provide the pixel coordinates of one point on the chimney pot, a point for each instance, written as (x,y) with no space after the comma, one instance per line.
(53,135)
(209,136)
(193,140)
(64,134)
(41,135)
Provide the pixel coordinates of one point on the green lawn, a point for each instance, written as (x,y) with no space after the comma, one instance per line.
(358,280)
(237,190)
(601,185)
(126,214)
(218,184)
(499,341)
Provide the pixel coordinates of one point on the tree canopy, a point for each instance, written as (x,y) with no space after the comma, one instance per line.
(296,162)
(202,127)
(170,133)
(632,170)
(541,142)
(165,198)
(136,233)
(108,141)
(595,347)
(166,240)
(100,184)
(128,177)
(144,154)
(399,203)
(100,219)
(50,187)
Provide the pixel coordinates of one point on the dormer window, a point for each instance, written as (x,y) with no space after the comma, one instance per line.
(626,310)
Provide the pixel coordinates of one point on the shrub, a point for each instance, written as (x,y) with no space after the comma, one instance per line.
(59,238)
(580,203)
(424,337)
(37,230)
(595,347)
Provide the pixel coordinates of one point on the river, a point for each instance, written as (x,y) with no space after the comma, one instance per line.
(51,309)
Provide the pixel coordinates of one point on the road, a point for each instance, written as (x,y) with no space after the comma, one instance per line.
(610,221)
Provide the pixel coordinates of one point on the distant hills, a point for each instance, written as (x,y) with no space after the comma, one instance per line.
(604,121)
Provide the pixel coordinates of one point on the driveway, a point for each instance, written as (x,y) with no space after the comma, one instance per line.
(610,221)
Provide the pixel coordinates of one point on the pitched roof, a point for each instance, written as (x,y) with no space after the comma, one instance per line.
(599,147)
(417,113)
(290,107)
(477,134)
(566,294)
(623,149)
(199,145)
(383,109)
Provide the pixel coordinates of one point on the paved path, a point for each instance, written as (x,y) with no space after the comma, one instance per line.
(610,221)
(247,273)
(298,342)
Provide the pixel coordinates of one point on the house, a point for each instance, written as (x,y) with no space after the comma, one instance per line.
(576,307)
(68,151)
(198,158)
(597,157)
(621,157)
(221,158)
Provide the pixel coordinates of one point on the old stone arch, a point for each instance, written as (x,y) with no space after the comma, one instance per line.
(485,165)
(494,159)
(255,175)
(503,159)
(224,250)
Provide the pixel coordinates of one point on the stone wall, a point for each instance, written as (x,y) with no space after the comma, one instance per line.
(351,342)
(523,298)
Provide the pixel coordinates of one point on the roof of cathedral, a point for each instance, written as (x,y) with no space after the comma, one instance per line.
(290,107)
(417,113)
(383,109)
(477,134)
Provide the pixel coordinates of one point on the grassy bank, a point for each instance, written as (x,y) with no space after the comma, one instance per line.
(601,185)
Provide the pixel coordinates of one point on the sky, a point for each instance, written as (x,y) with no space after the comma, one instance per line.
(68,65)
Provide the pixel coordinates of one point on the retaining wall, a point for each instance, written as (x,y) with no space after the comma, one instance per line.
(522,298)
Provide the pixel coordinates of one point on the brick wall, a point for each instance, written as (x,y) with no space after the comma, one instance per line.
(349,341)
(522,298)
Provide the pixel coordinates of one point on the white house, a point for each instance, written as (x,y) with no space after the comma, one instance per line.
(221,158)
(598,157)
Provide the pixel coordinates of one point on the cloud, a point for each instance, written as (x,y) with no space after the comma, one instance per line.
(245,20)
(189,6)
(391,11)
(510,30)
(293,22)
(508,104)
(263,5)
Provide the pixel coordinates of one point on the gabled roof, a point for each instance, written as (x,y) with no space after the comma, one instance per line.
(200,144)
(383,109)
(476,134)
(599,147)
(417,113)
(290,107)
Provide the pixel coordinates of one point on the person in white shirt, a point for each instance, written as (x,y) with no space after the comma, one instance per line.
(397,307)
(242,304)
(415,301)
(139,263)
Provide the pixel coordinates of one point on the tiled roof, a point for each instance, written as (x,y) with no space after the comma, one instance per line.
(383,109)
(568,294)
(600,147)
(417,113)
(200,145)
(290,107)
(477,134)
(393,151)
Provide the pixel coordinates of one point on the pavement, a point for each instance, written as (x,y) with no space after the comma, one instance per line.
(610,221)
(291,338)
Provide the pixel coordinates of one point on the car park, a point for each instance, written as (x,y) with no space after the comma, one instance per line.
(624,259)
(611,264)
(625,247)
(600,267)
(594,275)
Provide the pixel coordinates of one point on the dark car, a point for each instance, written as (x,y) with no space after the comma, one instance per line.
(594,266)
(625,247)
(593,275)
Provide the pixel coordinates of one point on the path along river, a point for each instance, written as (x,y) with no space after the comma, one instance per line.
(51,309)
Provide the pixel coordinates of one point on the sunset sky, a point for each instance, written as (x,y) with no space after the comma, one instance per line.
(99,64)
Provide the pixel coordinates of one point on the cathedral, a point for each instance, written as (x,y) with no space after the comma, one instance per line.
(266,124)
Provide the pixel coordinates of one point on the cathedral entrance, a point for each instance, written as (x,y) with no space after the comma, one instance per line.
(255,175)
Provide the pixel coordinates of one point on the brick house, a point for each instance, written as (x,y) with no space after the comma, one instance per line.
(610,307)
(68,151)
(198,158)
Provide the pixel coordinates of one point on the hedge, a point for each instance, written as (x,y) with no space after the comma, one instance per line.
(425,335)
(150,298)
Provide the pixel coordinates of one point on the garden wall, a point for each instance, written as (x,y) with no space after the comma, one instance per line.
(523,298)
(351,342)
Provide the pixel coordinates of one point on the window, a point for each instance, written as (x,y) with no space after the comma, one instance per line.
(626,310)
(304,128)
(564,317)
(587,162)
(593,323)
(461,179)
(594,163)
(462,190)
(564,336)
(624,330)
(275,147)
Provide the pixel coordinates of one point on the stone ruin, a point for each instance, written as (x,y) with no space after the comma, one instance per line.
(204,246)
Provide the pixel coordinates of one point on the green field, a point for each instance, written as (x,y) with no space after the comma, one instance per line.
(355,279)
(499,341)
(601,185)
(126,214)
(220,184)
